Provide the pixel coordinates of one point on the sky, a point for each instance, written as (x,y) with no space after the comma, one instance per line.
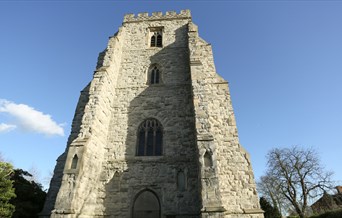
(282,59)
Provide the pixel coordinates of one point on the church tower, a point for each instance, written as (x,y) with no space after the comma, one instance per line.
(154,134)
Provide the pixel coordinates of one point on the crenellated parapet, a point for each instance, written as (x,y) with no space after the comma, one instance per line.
(169,15)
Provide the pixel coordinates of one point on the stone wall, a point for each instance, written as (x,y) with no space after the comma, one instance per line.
(87,139)
(228,186)
(200,140)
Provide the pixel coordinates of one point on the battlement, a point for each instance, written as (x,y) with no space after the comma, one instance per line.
(169,15)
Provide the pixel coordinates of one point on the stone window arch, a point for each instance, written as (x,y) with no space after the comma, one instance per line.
(74,162)
(146,204)
(208,161)
(154,75)
(150,138)
(156,39)
(116,181)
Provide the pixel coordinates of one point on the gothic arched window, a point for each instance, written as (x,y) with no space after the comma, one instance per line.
(153,41)
(74,162)
(157,39)
(208,162)
(150,138)
(155,75)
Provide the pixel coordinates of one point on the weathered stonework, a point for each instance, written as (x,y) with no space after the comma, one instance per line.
(203,170)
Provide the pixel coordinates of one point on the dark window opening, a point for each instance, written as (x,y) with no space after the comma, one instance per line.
(153,41)
(155,76)
(157,39)
(146,205)
(150,137)
(181,181)
(74,162)
(208,162)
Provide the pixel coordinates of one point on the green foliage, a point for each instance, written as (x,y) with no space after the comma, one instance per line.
(30,196)
(330,214)
(270,211)
(6,190)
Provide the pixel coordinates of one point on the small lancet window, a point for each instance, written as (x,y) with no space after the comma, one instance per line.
(116,181)
(208,162)
(157,39)
(153,41)
(181,181)
(74,162)
(155,76)
(150,137)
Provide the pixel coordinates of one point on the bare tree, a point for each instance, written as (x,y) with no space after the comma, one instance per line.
(35,174)
(47,180)
(268,188)
(298,175)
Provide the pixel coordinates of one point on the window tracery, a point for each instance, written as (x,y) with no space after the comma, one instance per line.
(156,39)
(155,75)
(150,137)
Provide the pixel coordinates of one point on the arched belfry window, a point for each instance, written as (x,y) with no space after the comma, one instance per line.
(74,162)
(150,138)
(156,36)
(155,75)
(157,39)
(153,41)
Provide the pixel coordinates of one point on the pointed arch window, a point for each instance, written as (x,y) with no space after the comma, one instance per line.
(156,36)
(74,162)
(150,138)
(157,39)
(208,162)
(153,41)
(155,75)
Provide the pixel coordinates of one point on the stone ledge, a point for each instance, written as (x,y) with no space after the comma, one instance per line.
(253,211)
(213,209)
(195,63)
(205,138)
(65,211)
(71,171)
(79,142)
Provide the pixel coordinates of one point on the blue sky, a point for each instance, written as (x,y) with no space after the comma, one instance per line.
(283,61)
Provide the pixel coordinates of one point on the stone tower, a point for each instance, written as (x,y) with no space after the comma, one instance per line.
(154,134)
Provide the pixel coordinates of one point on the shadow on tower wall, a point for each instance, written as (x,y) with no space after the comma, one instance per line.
(171,103)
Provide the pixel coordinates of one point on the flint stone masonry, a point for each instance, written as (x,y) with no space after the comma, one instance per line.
(203,170)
